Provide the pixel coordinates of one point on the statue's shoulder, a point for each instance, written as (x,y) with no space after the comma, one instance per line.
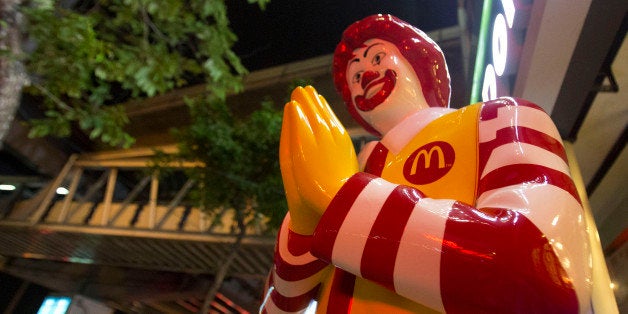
(508,106)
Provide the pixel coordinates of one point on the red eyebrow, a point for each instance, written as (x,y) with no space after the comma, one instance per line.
(371,46)
(365,52)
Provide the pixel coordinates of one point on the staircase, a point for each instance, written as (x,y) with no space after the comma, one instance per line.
(119,212)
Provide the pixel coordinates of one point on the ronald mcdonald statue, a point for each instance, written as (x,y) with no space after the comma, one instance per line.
(456,211)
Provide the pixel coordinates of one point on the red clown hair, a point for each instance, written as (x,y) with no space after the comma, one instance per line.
(423,54)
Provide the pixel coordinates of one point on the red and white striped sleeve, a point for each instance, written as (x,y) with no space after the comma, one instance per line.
(296,275)
(521,248)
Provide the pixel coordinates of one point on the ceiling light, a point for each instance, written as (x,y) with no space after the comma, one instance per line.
(7,187)
(62,191)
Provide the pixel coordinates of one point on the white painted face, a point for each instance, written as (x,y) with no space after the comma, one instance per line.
(383,85)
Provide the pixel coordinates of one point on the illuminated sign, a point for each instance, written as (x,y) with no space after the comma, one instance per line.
(499,44)
(55,305)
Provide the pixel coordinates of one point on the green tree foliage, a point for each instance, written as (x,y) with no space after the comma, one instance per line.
(87,56)
(241,159)
(241,168)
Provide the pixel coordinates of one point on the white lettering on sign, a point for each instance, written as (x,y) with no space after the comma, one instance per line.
(509,10)
(489,88)
(499,44)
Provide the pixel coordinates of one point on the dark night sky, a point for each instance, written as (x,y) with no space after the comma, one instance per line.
(293,30)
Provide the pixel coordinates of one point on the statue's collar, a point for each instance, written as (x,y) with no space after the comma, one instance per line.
(399,136)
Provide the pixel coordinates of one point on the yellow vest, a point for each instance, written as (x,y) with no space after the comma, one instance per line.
(441,161)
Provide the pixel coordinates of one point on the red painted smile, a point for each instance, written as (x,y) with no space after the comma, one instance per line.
(376,92)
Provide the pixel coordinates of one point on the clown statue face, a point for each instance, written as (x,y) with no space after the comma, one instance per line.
(384,88)
(386,69)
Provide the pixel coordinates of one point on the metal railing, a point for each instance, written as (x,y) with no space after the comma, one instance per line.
(115,213)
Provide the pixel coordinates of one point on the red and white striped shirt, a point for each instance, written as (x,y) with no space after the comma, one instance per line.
(519,246)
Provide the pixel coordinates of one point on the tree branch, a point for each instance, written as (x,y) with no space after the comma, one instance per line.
(235,249)
(54,98)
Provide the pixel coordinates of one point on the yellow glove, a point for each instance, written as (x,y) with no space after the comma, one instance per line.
(316,157)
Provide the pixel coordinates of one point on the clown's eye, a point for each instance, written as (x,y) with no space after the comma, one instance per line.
(357,76)
(378,58)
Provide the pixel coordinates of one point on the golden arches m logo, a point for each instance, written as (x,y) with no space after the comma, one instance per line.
(427,158)
(429,162)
